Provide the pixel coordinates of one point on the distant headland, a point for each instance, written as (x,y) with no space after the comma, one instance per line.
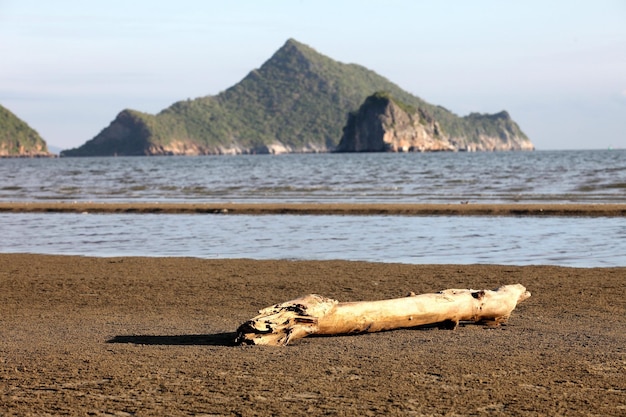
(18,139)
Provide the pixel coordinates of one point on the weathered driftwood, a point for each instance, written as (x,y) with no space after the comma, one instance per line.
(283,323)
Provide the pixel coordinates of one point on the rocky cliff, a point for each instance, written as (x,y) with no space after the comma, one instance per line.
(384,124)
(17,139)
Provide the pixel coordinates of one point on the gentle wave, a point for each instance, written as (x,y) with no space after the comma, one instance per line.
(565,241)
(505,177)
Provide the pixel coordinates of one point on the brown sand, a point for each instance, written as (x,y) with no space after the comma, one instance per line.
(408,209)
(153,336)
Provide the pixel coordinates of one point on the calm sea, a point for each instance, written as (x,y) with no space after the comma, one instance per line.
(541,176)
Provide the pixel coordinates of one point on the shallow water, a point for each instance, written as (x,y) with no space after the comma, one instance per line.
(506,177)
(541,176)
(566,241)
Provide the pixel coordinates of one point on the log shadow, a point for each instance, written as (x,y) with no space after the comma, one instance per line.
(216,339)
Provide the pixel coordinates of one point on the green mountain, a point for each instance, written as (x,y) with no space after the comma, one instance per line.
(297,101)
(17,139)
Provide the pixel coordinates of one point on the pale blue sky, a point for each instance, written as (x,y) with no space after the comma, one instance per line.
(67,67)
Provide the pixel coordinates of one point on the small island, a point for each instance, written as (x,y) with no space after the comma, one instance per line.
(300,101)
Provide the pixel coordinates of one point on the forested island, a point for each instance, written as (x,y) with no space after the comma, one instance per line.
(299,101)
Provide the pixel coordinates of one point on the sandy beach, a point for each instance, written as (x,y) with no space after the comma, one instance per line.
(154,336)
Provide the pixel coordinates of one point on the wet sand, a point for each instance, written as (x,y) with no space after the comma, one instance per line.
(513,209)
(154,336)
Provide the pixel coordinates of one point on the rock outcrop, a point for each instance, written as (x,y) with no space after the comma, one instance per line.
(383,124)
(18,139)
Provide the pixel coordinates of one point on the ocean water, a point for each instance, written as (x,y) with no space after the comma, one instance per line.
(542,176)
(577,242)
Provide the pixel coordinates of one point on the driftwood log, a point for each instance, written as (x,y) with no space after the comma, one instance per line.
(283,323)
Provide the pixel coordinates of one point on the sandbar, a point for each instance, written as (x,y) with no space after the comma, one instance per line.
(406,209)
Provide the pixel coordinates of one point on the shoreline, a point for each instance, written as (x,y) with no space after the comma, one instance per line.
(154,336)
(353,209)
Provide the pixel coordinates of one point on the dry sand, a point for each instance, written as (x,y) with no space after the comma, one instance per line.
(153,336)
